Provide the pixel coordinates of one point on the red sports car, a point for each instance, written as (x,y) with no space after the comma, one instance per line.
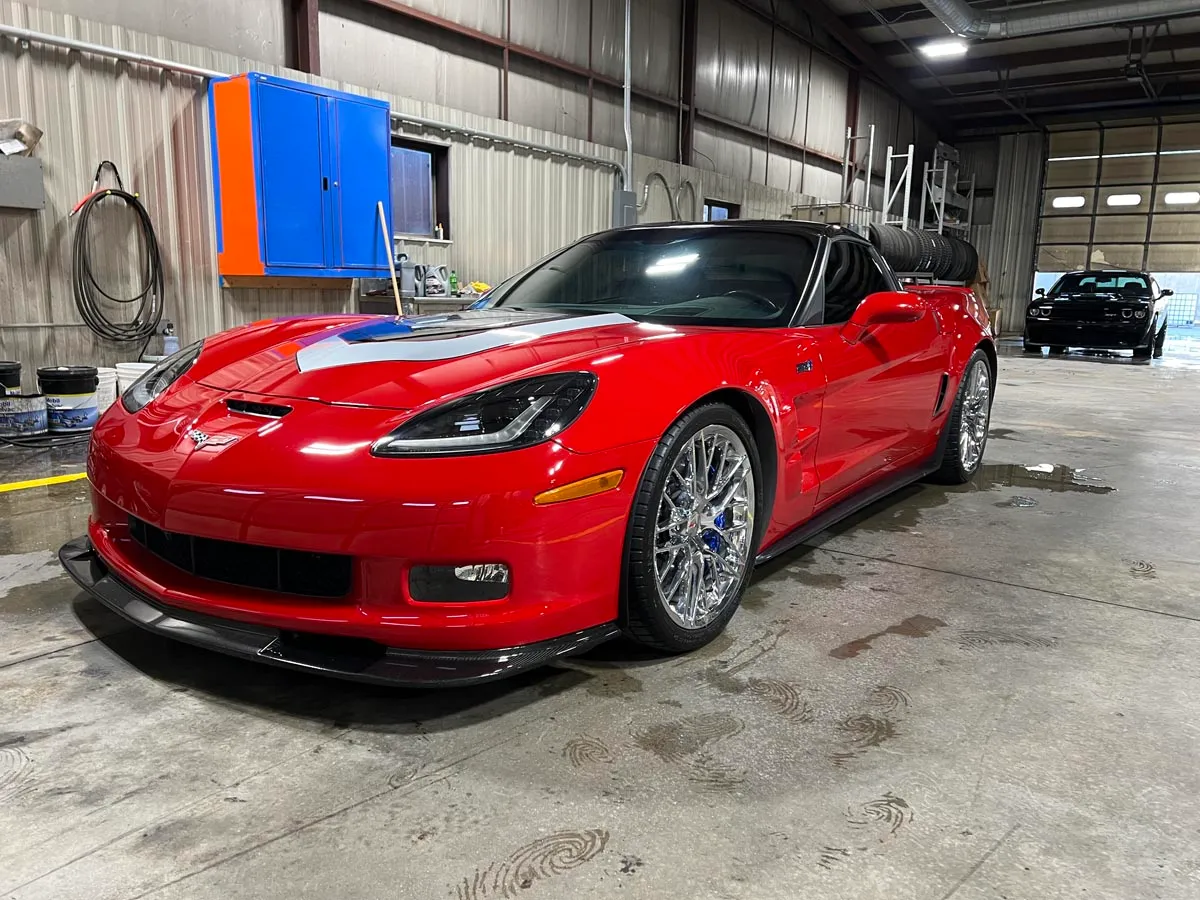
(606,444)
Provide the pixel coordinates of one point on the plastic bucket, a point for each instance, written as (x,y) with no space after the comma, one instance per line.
(106,389)
(10,377)
(22,415)
(128,373)
(70,397)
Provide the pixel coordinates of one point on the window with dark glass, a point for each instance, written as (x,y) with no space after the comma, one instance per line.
(716,211)
(420,196)
(851,275)
(676,276)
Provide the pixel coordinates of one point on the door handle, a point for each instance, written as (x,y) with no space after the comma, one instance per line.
(324,184)
(804,366)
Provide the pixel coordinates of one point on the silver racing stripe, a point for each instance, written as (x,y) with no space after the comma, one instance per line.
(334,351)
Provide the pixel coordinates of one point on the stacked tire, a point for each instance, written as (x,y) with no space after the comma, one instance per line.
(943,256)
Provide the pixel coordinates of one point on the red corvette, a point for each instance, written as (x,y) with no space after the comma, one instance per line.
(607,444)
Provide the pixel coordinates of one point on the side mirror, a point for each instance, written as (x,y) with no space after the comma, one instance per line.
(1041,292)
(1168,293)
(883,309)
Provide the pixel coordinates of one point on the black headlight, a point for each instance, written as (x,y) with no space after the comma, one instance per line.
(520,414)
(161,377)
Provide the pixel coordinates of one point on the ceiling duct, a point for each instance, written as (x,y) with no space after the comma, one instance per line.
(1044,18)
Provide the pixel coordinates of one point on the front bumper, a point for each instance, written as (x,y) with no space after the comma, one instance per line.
(1087,335)
(303,486)
(351,658)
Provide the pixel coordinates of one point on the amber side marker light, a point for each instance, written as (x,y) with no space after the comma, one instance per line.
(588,487)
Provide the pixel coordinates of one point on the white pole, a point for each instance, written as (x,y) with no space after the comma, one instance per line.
(391,255)
(628,96)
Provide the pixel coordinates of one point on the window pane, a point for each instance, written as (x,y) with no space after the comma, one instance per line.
(673,276)
(851,275)
(412,191)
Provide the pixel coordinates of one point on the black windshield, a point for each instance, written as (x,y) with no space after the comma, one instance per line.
(1127,284)
(705,276)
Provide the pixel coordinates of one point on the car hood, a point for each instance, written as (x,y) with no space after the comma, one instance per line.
(403,362)
(1093,298)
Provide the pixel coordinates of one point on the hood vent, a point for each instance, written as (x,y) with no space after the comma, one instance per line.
(251,408)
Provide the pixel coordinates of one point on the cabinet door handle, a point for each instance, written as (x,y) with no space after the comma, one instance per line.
(324,184)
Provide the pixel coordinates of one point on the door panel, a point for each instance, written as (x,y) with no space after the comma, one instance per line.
(362,136)
(865,418)
(289,156)
(882,387)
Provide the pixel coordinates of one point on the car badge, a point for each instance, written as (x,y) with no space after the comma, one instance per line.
(203,439)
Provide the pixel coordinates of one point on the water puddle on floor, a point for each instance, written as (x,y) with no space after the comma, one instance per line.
(1042,477)
(902,512)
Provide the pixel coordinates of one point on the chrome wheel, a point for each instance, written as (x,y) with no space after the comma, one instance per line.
(705,527)
(976,416)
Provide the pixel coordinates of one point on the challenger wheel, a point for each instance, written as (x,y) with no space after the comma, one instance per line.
(1160,341)
(1147,351)
(968,424)
(694,531)
(1032,348)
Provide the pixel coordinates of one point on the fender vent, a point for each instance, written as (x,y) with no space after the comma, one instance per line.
(250,408)
(941,398)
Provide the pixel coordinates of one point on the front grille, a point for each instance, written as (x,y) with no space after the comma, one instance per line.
(248,565)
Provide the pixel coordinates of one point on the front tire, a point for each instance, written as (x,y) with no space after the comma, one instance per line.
(967,426)
(1147,351)
(1160,341)
(694,531)
(1032,348)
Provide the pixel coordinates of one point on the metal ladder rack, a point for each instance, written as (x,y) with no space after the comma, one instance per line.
(892,190)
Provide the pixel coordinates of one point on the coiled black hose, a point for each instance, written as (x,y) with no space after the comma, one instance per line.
(87,290)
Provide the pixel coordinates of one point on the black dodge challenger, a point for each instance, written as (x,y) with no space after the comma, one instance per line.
(1103,310)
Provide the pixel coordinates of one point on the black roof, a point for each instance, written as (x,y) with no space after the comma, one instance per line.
(1110,272)
(783,226)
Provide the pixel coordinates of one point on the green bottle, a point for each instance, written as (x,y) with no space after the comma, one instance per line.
(453,283)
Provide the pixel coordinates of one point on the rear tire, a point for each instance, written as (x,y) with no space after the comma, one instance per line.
(968,423)
(690,555)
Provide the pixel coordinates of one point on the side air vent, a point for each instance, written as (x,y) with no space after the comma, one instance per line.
(941,397)
(251,408)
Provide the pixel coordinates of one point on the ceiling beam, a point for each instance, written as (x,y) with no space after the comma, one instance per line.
(827,19)
(1100,78)
(1131,100)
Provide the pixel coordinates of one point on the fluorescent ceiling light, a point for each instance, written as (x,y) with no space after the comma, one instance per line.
(945,49)
(1069,202)
(1125,200)
(1183,198)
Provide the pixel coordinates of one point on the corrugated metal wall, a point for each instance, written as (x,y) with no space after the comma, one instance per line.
(255,29)
(508,207)
(1007,243)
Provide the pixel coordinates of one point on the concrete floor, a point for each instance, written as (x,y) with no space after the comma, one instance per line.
(986,692)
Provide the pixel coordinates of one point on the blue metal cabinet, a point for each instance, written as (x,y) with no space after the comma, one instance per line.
(299,172)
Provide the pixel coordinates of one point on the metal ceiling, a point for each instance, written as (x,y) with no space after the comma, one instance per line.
(1141,65)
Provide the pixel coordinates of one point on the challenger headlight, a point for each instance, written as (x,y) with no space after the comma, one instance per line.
(161,377)
(508,417)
